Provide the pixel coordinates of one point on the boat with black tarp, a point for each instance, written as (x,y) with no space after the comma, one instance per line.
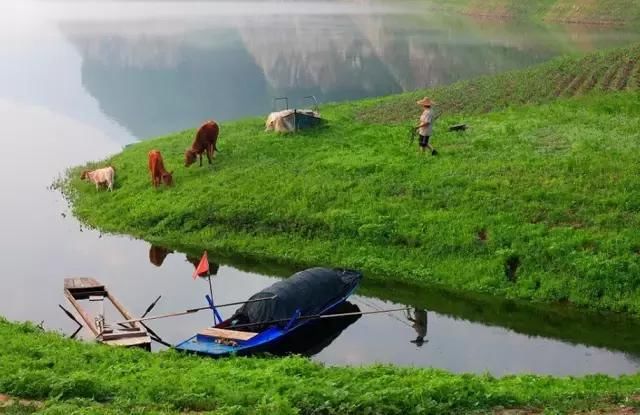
(287,306)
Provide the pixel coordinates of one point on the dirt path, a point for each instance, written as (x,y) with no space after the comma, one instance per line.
(632,408)
(7,401)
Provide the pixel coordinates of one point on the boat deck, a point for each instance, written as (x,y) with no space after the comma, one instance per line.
(227,334)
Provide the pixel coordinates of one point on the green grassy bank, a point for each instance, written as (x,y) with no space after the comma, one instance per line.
(537,202)
(616,12)
(80,378)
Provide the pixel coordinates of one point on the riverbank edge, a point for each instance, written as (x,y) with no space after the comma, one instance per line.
(607,72)
(67,375)
(535,79)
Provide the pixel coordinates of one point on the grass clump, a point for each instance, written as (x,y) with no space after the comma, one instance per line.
(117,380)
(533,202)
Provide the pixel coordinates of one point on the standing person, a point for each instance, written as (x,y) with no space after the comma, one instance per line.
(425,128)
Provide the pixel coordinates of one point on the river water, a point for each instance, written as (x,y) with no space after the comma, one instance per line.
(79,80)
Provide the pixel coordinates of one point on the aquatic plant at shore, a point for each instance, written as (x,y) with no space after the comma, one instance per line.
(535,202)
(75,377)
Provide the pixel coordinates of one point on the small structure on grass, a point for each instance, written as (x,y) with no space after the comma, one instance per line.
(291,120)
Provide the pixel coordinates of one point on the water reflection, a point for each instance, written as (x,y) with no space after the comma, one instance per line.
(157,254)
(154,79)
(194,260)
(419,320)
(313,338)
(506,337)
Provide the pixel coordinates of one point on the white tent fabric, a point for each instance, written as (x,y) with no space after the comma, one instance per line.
(281,121)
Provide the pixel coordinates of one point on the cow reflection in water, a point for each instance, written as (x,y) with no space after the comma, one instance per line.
(419,320)
(157,254)
(213,267)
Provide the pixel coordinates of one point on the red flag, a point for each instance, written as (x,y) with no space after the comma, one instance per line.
(203,267)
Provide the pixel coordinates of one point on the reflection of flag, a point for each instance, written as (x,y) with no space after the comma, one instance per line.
(203,267)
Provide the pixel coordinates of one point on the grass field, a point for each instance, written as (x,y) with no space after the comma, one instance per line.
(564,77)
(535,201)
(73,377)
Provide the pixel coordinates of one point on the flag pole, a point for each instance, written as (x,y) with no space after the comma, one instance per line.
(211,294)
(202,270)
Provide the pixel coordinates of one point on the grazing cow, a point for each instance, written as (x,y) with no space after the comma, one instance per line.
(205,140)
(157,170)
(103,176)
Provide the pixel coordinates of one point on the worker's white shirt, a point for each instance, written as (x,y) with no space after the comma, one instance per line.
(426,117)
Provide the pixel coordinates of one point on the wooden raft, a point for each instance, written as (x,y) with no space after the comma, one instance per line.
(77,289)
(227,334)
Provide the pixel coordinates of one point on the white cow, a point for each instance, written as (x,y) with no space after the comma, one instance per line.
(104,175)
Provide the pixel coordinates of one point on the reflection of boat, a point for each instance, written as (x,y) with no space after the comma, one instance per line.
(260,325)
(315,337)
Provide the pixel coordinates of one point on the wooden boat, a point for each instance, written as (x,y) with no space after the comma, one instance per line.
(129,335)
(262,325)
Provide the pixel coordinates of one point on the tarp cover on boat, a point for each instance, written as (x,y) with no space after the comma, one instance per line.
(288,121)
(311,291)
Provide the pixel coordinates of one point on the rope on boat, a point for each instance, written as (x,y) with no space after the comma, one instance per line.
(375,307)
(319,316)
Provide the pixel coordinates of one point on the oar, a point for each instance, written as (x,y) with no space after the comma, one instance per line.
(71,316)
(151,332)
(318,317)
(193,310)
(151,307)
(157,339)
(75,333)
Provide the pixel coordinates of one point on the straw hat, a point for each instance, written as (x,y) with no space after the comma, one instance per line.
(425,102)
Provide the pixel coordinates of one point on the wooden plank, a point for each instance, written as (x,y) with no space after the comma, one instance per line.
(83,288)
(227,334)
(125,313)
(83,295)
(130,341)
(122,335)
(82,283)
(85,317)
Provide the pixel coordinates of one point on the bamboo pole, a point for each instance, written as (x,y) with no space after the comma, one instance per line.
(118,305)
(90,325)
(192,310)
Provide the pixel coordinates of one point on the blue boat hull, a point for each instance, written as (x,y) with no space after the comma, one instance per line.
(264,341)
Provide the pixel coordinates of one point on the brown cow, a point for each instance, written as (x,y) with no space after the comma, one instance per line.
(157,170)
(205,140)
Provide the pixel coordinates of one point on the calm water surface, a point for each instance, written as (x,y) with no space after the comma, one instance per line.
(78,80)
